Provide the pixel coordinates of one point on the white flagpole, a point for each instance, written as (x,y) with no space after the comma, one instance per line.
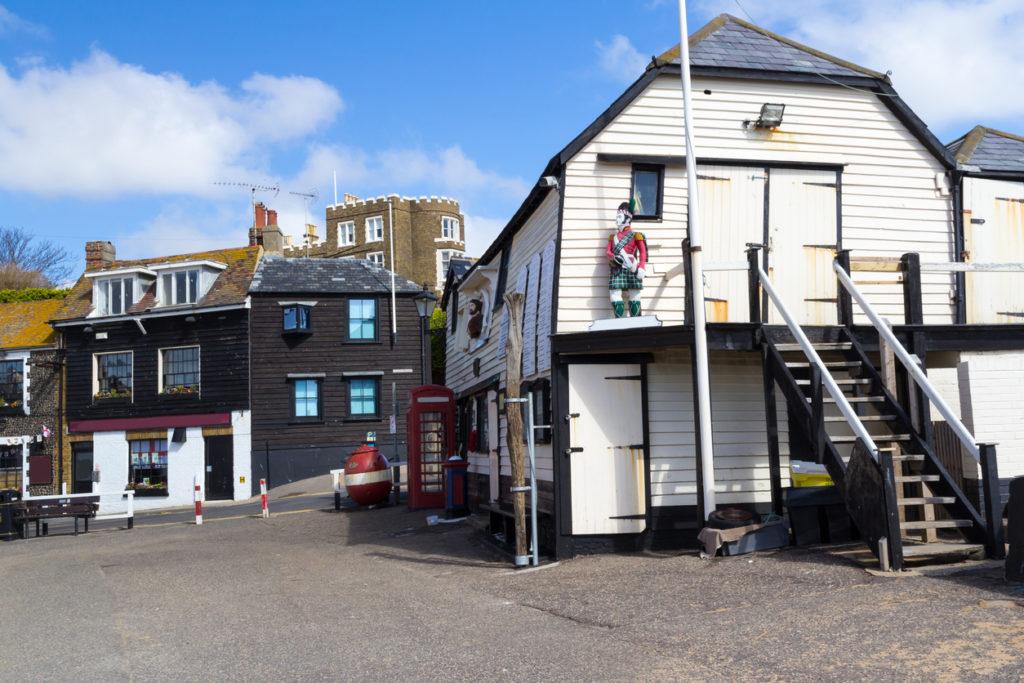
(700,340)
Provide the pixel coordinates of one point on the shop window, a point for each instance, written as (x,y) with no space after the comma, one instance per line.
(298,319)
(363,398)
(112,375)
(306,403)
(541,391)
(12,376)
(482,426)
(362,320)
(179,370)
(147,466)
(10,467)
(647,189)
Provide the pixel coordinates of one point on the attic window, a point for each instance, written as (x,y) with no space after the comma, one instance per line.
(186,282)
(116,295)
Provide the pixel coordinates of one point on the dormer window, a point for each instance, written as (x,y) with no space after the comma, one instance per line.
(181,287)
(185,283)
(114,292)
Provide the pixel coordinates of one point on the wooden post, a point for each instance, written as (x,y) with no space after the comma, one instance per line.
(687,284)
(845,303)
(994,544)
(514,419)
(753,282)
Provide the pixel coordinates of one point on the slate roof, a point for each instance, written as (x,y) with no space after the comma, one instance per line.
(23,323)
(990,150)
(230,287)
(728,42)
(459,266)
(281,275)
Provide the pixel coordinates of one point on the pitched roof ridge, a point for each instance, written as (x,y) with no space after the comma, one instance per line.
(230,251)
(722,19)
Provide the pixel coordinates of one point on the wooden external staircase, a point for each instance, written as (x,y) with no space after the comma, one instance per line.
(911,483)
(877,451)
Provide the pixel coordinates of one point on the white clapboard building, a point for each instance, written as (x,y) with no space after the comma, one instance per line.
(849,175)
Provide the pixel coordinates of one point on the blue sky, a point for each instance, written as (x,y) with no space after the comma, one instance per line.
(117,118)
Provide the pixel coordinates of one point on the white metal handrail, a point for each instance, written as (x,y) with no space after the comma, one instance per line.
(959,267)
(826,377)
(913,369)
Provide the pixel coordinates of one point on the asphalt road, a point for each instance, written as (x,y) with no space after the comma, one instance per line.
(381,595)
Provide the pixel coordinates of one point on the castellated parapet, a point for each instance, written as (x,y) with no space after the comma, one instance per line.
(427,232)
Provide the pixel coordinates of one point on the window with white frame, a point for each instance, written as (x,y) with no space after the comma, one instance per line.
(450,228)
(179,371)
(180,287)
(112,375)
(376,257)
(12,383)
(115,295)
(444,260)
(375,229)
(346,233)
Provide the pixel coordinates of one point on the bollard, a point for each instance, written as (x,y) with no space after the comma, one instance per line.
(263,495)
(199,506)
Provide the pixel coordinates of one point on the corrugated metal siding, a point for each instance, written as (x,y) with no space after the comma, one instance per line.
(994,233)
(738,424)
(890,201)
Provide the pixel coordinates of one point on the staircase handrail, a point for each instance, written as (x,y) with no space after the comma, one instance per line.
(826,377)
(913,369)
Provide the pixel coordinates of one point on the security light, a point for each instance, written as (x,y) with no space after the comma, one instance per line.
(770,116)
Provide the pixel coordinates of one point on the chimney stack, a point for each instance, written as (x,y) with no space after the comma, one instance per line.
(98,255)
(271,217)
(261,215)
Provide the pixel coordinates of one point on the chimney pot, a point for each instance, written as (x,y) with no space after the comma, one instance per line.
(271,217)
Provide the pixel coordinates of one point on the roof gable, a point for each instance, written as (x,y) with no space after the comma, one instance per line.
(277,274)
(732,43)
(24,323)
(230,287)
(990,150)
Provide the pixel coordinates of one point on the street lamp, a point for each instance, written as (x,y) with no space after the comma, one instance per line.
(425,302)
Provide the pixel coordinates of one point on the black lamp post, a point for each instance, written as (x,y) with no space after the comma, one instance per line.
(425,302)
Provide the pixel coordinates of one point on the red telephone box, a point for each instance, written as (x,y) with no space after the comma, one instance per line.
(430,422)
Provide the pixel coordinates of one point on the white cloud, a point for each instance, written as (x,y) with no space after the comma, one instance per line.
(956,63)
(481,232)
(620,59)
(187,226)
(105,128)
(12,23)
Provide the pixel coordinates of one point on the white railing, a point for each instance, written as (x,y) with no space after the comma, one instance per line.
(957,267)
(913,369)
(826,377)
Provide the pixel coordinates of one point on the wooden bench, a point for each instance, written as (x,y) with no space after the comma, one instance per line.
(39,509)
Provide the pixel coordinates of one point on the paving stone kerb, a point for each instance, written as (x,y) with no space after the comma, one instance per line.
(361,592)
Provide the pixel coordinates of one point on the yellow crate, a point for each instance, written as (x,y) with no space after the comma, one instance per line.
(804,474)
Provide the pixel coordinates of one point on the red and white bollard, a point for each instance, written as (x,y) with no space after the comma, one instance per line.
(263,496)
(199,505)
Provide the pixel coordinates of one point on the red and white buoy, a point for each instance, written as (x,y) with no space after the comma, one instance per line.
(367,476)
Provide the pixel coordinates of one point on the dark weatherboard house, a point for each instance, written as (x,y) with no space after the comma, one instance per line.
(157,362)
(329,368)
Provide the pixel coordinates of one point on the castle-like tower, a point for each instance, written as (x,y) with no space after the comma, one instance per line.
(428,232)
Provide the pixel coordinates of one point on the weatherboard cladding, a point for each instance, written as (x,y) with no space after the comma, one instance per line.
(327,276)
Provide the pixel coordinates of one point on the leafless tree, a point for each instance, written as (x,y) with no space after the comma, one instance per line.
(26,263)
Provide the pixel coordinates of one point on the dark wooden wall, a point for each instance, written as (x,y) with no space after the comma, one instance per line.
(223,343)
(326,350)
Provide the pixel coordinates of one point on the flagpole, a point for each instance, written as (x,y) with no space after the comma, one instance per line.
(700,340)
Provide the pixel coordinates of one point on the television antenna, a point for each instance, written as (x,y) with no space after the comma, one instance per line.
(252,188)
(307,197)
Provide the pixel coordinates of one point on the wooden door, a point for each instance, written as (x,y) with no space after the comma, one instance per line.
(606,463)
(994,233)
(802,241)
(219,467)
(732,215)
(81,467)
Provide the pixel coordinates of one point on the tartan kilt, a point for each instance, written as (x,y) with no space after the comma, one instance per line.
(623,279)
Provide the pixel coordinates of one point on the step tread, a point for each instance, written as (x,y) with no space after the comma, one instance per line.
(855,399)
(821,346)
(940,549)
(910,478)
(840,382)
(929,500)
(828,364)
(863,418)
(936,524)
(906,457)
(878,439)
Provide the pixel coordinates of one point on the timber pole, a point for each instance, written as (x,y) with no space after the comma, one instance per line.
(514,421)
